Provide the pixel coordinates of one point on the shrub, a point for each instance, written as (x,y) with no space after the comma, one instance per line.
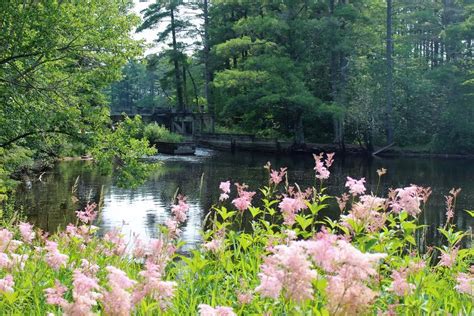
(158,133)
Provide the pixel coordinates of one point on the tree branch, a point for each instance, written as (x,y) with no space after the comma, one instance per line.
(11,141)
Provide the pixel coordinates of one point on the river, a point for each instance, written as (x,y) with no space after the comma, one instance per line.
(52,202)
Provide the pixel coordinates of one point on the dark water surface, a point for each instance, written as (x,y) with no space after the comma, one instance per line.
(52,202)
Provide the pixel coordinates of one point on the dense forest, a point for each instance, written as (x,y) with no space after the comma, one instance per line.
(366,72)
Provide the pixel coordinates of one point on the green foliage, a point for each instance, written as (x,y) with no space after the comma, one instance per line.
(158,133)
(56,60)
(123,151)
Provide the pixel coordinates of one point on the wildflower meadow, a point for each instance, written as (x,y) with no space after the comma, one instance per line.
(264,252)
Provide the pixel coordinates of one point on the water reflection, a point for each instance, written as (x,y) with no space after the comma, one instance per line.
(50,203)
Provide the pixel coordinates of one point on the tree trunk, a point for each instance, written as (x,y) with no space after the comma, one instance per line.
(299,129)
(207,73)
(338,79)
(389,104)
(177,72)
(185,88)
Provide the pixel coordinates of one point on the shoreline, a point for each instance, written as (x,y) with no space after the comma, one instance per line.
(241,142)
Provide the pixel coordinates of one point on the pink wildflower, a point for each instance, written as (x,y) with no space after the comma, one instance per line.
(5,238)
(72,231)
(173,229)
(290,207)
(88,268)
(5,261)
(84,293)
(179,210)
(291,234)
(118,301)
(450,203)
(287,271)
(225,188)
(206,310)
(55,295)
(368,212)
(152,285)
(244,298)
(356,187)
(322,171)
(329,159)
(244,200)
(347,297)
(13,245)
(342,201)
(139,249)
(400,285)
(116,239)
(159,252)
(18,261)
(26,231)
(448,258)
(407,199)
(7,284)
(214,245)
(277,176)
(415,267)
(465,284)
(54,258)
(88,215)
(349,270)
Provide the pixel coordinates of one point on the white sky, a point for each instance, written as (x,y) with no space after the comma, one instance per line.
(149,35)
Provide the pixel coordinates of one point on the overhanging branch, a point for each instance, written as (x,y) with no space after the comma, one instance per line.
(17,138)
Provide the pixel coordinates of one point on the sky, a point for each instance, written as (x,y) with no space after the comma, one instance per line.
(150,34)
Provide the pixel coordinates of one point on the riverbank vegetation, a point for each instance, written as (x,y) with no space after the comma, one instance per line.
(158,133)
(278,255)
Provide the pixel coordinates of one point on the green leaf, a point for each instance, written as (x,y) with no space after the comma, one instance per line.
(303,221)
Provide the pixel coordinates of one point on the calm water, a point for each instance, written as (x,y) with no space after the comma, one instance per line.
(52,202)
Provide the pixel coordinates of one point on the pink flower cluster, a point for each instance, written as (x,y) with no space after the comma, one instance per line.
(54,258)
(206,310)
(7,284)
(356,187)
(26,231)
(408,199)
(400,285)
(289,271)
(180,209)
(118,301)
(153,285)
(88,215)
(85,294)
(117,242)
(465,283)
(322,165)
(179,212)
(225,188)
(214,245)
(6,237)
(369,211)
(448,257)
(277,176)
(290,207)
(55,295)
(244,199)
